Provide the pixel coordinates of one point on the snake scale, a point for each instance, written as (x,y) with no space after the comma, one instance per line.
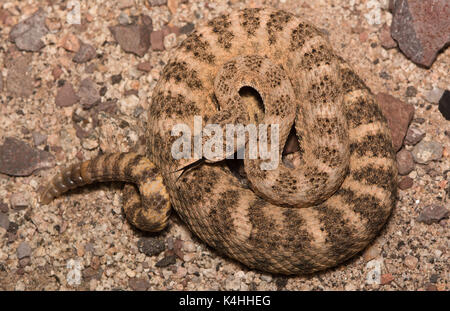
(295,219)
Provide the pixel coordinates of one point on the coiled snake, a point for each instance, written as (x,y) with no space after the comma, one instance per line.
(293,219)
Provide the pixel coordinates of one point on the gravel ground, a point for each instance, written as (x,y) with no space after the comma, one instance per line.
(76,92)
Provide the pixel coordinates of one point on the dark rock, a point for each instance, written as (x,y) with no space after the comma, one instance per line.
(110,106)
(4,221)
(19,81)
(66,96)
(398,115)
(28,33)
(433,214)
(23,250)
(4,207)
(384,75)
(116,79)
(414,136)
(90,273)
(132,38)
(156,2)
(138,284)
(434,278)
(157,40)
(444,105)
(405,183)
(421,28)
(39,138)
(411,91)
(84,54)
(17,158)
(166,261)
(187,29)
(13,227)
(151,246)
(427,151)
(88,94)
(386,39)
(405,162)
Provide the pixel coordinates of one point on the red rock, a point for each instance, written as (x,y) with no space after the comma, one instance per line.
(66,96)
(414,136)
(138,284)
(398,115)
(386,278)
(405,162)
(17,158)
(145,66)
(421,28)
(57,72)
(28,33)
(157,40)
(405,183)
(132,38)
(386,39)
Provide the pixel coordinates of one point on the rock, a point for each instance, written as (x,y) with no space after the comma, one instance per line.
(398,115)
(386,278)
(411,91)
(116,79)
(444,105)
(89,143)
(386,39)
(433,214)
(405,162)
(19,201)
(187,29)
(414,136)
(92,274)
(1,81)
(156,2)
(405,183)
(172,5)
(4,221)
(430,287)
(434,278)
(421,28)
(138,284)
(23,250)
(434,95)
(24,262)
(57,72)
(84,54)
(17,158)
(19,81)
(145,66)
(38,138)
(124,19)
(411,262)
(132,38)
(4,207)
(70,42)
(427,151)
(125,4)
(166,261)
(157,40)
(88,94)
(170,41)
(28,33)
(151,246)
(66,96)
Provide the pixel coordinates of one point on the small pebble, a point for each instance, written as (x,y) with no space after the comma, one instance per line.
(70,42)
(427,151)
(23,250)
(138,284)
(4,221)
(405,162)
(85,53)
(157,40)
(28,33)
(88,94)
(411,262)
(151,246)
(166,261)
(411,91)
(433,214)
(132,38)
(414,135)
(406,182)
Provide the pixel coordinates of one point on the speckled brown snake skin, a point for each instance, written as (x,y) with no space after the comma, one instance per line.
(298,218)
